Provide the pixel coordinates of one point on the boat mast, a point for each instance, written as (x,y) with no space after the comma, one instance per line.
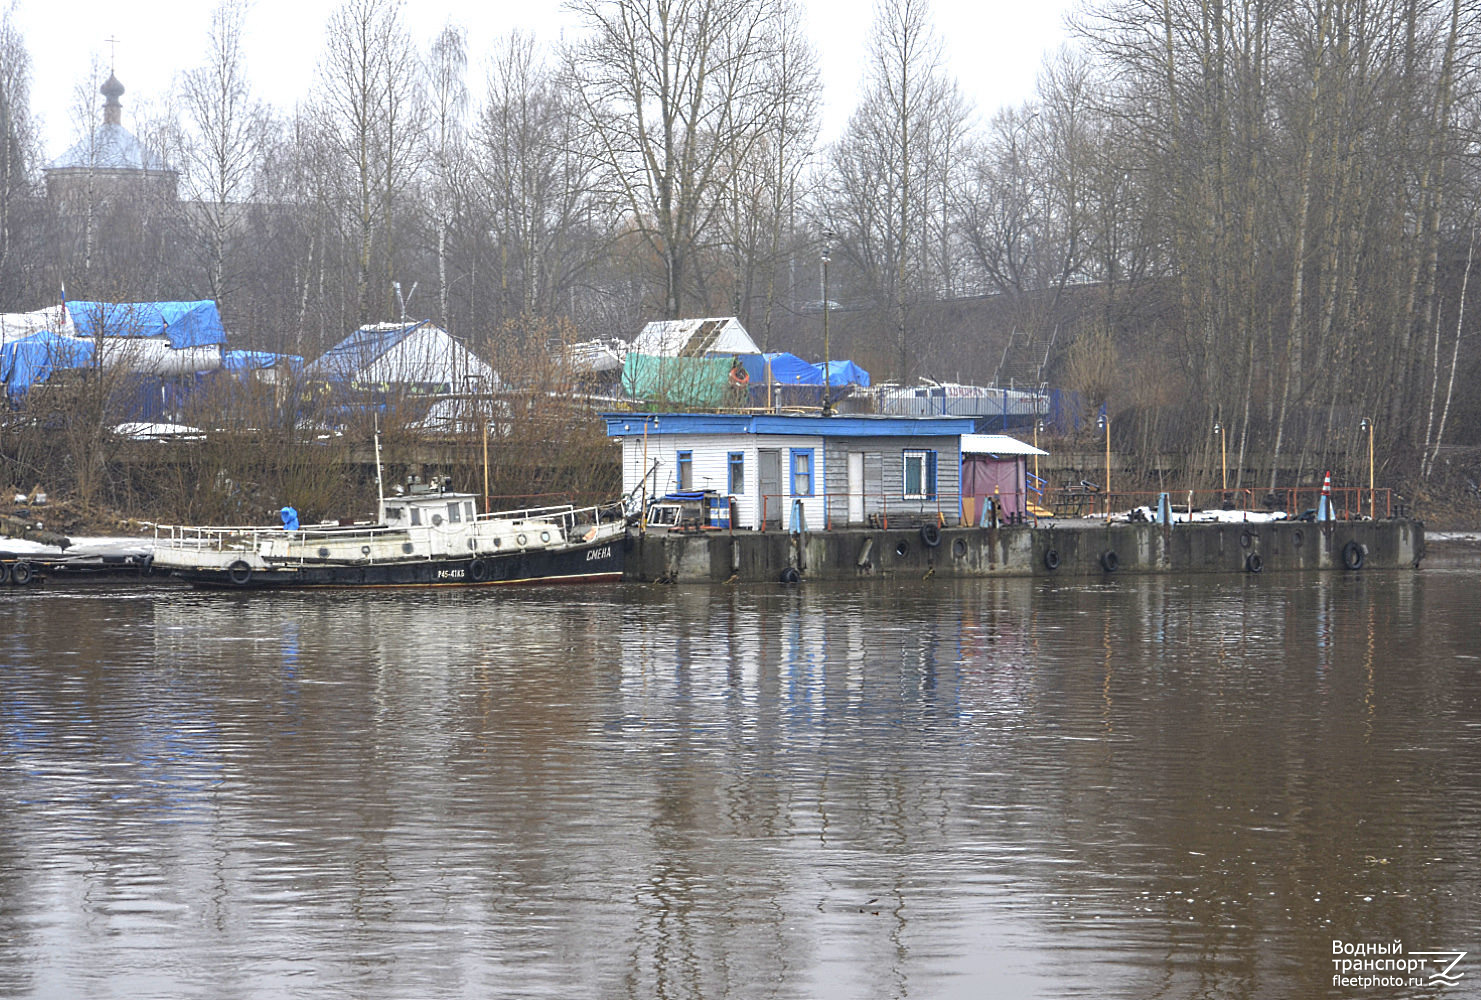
(380,485)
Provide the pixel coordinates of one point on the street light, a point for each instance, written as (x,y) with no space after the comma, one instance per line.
(1367,425)
(1223,454)
(1104,422)
(1038,427)
(828,238)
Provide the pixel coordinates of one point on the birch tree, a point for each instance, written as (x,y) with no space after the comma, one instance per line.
(225,137)
(673,92)
(892,167)
(369,96)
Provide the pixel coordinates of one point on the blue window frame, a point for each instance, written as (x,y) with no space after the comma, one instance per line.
(686,470)
(919,475)
(736,463)
(803,472)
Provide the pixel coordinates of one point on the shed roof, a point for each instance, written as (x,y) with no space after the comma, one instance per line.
(859,426)
(694,338)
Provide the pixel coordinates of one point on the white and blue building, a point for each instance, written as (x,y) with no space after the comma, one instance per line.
(799,471)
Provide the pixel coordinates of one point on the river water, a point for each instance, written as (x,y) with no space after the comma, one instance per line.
(1147,786)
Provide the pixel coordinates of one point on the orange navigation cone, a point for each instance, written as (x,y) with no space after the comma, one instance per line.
(1324,510)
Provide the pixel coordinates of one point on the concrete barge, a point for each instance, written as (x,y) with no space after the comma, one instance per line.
(1074,548)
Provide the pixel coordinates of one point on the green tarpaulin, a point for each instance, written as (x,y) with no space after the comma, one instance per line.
(677,381)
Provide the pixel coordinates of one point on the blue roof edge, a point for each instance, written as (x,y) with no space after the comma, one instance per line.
(637,424)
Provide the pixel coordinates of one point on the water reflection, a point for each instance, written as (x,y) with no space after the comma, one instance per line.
(1143,787)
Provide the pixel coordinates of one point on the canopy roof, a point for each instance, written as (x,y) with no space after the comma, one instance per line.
(184,324)
(997,444)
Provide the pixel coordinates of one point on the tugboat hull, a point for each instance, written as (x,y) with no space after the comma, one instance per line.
(597,563)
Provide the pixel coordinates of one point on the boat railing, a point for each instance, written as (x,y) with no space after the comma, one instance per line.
(569,517)
(247,537)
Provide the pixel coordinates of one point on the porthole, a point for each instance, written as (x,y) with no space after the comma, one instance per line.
(323,553)
(406,547)
(521,540)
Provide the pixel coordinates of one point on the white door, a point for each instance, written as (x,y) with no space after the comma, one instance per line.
(856,487)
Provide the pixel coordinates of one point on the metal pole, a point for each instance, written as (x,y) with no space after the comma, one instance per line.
(1105,421)
(1368,426)
(1224,459)
(827,357)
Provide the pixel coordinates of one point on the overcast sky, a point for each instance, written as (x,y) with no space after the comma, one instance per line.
(995,47)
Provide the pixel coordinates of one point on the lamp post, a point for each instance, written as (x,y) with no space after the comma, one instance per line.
(1367,425)
(828,237)
(1038,426)
(1223,456)
(1104,422)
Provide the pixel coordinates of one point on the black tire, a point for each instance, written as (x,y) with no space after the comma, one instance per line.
(790,575)
(1051,559)
(1253,563)
(1109,561)
(21,573)
(4,573)
(478,570)
(931,535)
(239,573)
(1353,555)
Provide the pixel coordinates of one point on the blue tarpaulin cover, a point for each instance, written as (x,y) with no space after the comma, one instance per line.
(789,369)
(32,359)
(846,373)
(241,361)
(786,369)
(186,324)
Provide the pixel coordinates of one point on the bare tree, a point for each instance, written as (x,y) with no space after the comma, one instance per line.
(17,151)
(674,91)
(369,99)
(891,173)
(448,93)
(224,140)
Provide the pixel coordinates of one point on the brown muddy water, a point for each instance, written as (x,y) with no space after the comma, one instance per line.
(1144,787)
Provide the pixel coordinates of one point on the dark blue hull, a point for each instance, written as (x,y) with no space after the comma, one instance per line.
(596,563)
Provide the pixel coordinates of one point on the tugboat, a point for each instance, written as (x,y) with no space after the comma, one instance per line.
(425,536)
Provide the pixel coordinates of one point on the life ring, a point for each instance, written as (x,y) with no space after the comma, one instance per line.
(478,570)
(790,575)
(1353,555)
(1051,559)
(739,377)
(21,573)
(1253,563)
(931,535)
(1109,561)
(239,573)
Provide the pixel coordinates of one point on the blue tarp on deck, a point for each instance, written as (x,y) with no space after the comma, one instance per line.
(185,324)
